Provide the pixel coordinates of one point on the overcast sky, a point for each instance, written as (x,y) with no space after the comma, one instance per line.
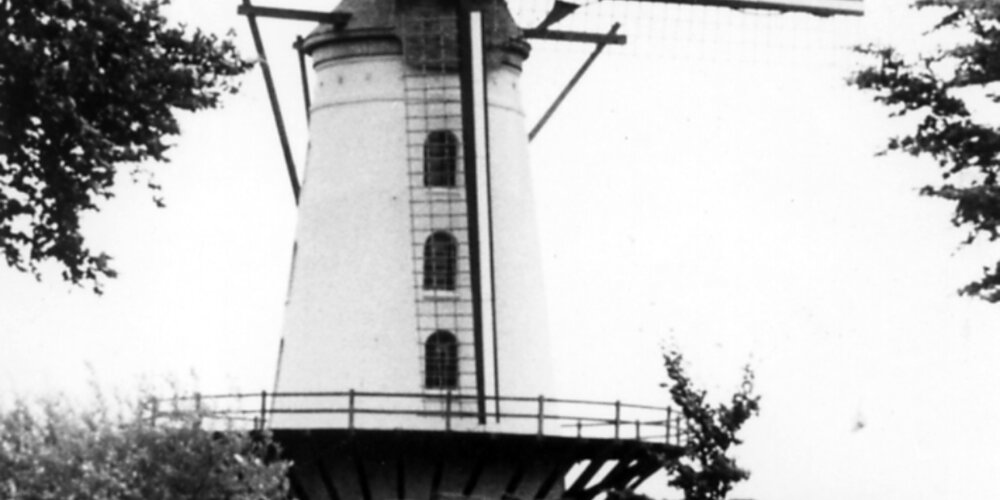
(710,187)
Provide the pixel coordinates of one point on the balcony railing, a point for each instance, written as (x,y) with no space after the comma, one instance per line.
(443,411)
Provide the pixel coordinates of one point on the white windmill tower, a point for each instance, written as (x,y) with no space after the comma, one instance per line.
(415,345)
(416,247)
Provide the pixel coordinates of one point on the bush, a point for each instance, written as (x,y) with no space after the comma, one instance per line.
(51,450)
(707,471)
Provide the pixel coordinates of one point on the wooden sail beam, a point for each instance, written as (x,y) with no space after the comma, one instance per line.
(334,18)
(575,36)
(817,8)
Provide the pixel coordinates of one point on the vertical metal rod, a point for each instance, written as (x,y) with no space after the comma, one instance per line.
(263,408)
(618,416)
(279,122)
(572,83)
(350,409)
(638,432)
(489,222)
(579,428)
(470,96)
(305,76)
(541,415)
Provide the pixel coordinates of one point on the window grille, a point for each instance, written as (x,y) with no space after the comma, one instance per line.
(440,158)
(440,261)
(441,361)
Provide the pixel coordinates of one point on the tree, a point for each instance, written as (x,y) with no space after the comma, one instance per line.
(88,88)
(934,90)
(706,471)
(51,451)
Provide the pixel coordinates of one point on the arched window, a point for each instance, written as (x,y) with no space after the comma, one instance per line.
(441,361)
(440,261)
(440,158)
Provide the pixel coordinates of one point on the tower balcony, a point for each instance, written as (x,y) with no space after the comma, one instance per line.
(361,445)
(436,411)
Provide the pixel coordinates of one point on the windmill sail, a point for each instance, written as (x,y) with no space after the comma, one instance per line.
(561,9)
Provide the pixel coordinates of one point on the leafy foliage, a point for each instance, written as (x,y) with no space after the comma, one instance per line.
(51,451)
(86,88)
(707,471)
(934,89)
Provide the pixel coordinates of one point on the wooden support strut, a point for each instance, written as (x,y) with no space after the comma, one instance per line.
(557,473)
(327,479)
(248,10)
(510,490)
(601,43)
(400,478)
(621,474)
(473,479)
(436,479)
(363,479)
(306,98)
(588,473)
(297,488)
(645,470)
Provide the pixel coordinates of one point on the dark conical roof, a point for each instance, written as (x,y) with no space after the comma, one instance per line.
(395,18)
(367,14)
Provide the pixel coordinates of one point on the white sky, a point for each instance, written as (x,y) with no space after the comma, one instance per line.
(717,193)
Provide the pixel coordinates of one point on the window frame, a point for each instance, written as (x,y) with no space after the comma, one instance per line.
(440,154)
(441,361)
(440,266)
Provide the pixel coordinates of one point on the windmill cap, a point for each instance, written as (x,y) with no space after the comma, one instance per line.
(384,26)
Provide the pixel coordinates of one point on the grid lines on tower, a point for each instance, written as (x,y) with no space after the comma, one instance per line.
(438,205)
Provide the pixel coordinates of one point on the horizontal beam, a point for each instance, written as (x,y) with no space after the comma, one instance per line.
(814,7)
(334,18)
(576,36)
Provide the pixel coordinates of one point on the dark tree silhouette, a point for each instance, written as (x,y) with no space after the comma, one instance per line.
(707,471)
(89,87)
(933,90)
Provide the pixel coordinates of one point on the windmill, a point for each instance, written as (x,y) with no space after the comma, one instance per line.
(414,359)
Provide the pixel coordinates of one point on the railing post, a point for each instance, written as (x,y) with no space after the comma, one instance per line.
(263,409)
(447,411)
(667,422)
(541,415)
(579,429)
(638,432)
(677,430)
(350,409)
(618,416)
(197,410)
